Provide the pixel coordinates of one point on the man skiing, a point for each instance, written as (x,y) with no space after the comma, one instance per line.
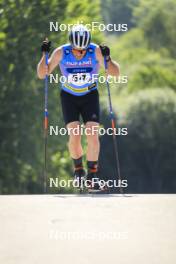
(79,61)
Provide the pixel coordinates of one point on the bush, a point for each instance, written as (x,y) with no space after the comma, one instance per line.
(147,153)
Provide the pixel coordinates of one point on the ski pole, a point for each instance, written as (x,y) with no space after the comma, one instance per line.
(112,116)
(45,122)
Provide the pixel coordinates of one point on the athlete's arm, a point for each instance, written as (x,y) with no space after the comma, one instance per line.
(52,63)
(113,67)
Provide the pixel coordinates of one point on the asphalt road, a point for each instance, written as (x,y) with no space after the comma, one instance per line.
(49,229)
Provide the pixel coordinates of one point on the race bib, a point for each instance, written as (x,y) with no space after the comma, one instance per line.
(79,79)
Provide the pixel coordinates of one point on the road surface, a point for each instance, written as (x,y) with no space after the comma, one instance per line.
(71,229)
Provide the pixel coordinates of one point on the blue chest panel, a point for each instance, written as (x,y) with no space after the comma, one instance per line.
(79,75)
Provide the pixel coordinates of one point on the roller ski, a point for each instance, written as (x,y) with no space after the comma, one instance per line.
(95,185)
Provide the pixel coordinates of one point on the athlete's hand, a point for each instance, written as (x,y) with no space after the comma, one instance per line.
(105,51)
(46,46)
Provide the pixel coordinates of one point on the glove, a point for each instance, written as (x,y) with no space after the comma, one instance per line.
(105,51)
(46,46)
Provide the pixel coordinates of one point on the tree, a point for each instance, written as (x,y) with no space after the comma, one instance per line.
(24,25)
(147,153)
(118,12)
(158,22)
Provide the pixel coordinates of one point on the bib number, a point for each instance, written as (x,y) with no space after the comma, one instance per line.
(79,79)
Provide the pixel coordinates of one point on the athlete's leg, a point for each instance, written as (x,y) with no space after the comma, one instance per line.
(70,110)
(74,143)
(75,149)
(90,114)
(93,144)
